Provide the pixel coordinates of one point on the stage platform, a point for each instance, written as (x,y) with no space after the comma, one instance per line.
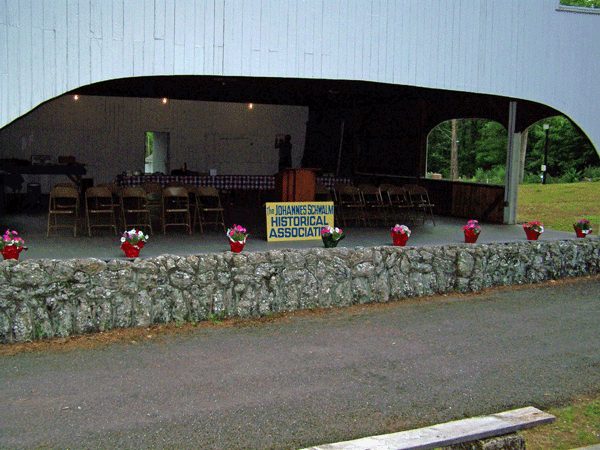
(105,246)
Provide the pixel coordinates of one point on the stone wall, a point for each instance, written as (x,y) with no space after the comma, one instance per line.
(57,298)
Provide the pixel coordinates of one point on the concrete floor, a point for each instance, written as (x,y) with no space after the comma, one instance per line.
(103,245)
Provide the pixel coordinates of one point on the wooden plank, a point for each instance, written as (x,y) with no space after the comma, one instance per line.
(449,433)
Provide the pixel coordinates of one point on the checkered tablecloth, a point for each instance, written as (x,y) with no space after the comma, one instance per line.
(251,182)
(255,182)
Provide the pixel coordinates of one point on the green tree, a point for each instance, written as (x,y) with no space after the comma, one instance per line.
(583,3)
(569,151)
(482,148)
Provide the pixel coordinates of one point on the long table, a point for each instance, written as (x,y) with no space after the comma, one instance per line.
(74,172)
(246,182)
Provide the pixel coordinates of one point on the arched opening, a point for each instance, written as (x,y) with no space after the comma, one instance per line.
(475,150)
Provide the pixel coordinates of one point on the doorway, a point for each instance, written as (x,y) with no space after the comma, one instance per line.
(156,152)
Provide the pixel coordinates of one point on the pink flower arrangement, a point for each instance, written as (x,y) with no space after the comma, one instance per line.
(11,238)
(335,233)
(536,226)
(401,229)
(472,227)
(584,226)
(237,233)
(134,236)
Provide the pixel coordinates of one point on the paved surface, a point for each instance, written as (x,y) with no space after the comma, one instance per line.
(311,379)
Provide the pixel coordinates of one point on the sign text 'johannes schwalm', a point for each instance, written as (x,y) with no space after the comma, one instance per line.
(297,221)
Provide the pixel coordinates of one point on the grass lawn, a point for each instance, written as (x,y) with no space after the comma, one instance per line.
(558,206)
(577,425)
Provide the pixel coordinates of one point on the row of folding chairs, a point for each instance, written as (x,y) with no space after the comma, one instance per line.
(368,204)
(135,207)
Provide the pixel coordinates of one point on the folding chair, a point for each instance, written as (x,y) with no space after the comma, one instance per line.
(419,198)
(376,208)
(154,192)
(135,211)
(115,190)
(64,203)
(99,209)
(399,204)
(176,208)
(350,204)
(209,206)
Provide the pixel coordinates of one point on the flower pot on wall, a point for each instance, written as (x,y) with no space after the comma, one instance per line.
(399,239)
(470,237)
(132,250)
(532,235)
(330,242)
(12,252)
(237,246)
(579,233)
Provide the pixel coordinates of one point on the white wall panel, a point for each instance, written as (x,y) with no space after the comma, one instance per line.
(169,47)
(217,63)
(3,14)
(512,48)
(23,62)
(55,18)
(72,67)
(291,52)
(85,44)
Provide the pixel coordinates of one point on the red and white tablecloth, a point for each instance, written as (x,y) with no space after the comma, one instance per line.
(251,182)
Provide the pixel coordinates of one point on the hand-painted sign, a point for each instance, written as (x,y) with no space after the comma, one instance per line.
(298,221)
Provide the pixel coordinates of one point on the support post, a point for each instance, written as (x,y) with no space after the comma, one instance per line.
(513,168)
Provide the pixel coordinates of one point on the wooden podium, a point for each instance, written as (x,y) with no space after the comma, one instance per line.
(295,185)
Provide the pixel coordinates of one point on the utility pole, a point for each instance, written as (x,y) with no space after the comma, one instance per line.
(545,165)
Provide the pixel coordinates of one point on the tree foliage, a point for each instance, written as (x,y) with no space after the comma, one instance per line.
(482,148)
(582,3)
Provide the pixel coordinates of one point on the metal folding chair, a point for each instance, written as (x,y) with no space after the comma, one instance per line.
(176,208)
(135,211)
(377,210)
(350,204)
(419,198)
(99,209)
(64,203)
(209,205)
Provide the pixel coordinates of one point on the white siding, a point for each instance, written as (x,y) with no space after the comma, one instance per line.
(512,48)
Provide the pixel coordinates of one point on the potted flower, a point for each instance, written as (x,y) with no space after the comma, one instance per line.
(237,238)
(11,245)
(400,234)
(582,228)
(331,236)
(132,242)
(533,229)
(472,231)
